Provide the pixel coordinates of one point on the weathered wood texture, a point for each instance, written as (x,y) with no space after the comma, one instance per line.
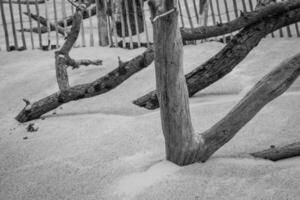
(228,58)
(97,87)
(171,85)
(183,145)
(279,153)
(244,20)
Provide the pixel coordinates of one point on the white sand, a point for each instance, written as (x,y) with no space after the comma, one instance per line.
(107,148)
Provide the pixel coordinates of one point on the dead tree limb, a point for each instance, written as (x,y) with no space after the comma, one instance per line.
(182,144)
(44,22)
(246,19)
(97,87)
(60,23)
(279,153)
(268,88)
(228,58)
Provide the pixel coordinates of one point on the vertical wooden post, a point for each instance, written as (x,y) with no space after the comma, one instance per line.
(102,23)
(196,11)
(236,12)
(38,23)
(297,29)
(21,24)
(123,26)
(188,13)
(64,15)
(212,11)
(180,13)
(251,5)
(91,28)
(137,29)
(145,24)
(4,26)
(244,6)
(110,40)
(83,42)
(112,4)
(128,24)
(30,24)
(13,25)
(220,17)
(55,20)
(48,26)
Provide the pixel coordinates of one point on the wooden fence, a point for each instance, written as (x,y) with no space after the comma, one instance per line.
(43,24)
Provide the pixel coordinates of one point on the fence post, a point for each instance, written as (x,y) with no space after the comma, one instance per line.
(21,24)
(13,25)
(30,24)
(38,22)
(102,23)
(4,26)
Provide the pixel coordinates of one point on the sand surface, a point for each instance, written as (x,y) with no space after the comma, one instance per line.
(107,148)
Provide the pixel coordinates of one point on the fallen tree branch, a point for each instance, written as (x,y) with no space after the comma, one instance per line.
(267,89)
(246,19)
(44,22)
(279,153)
(228,58)
(97,87)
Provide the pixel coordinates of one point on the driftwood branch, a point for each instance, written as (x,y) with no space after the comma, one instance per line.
(246,19)
(97,87)
(267,89)
(279,153)
(44,22)
(228,58)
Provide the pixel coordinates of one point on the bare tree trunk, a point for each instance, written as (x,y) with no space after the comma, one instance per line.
(183,146)
(228,58)
(171,86)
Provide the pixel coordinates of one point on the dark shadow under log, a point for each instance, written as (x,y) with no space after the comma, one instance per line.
(229,57)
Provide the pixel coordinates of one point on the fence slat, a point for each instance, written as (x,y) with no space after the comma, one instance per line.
(145,24)
(188,13)
(48,26)
(38,22)
(180,13)
(112,5)
(212,11)
(128,24)
(244,6)
(297,29)
(236,12)
(55,23)
(91,28)
(64,15)
(13,24)
(30,24)
(21,24)
(4,26)
(136,23)
(196,11)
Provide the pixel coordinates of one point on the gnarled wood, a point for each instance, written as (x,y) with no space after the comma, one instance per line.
(228,58)
(97,87)
(244,20)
